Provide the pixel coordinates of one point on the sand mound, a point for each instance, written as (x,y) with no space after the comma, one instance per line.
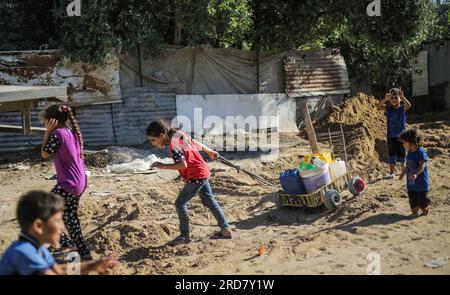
(364,129)
(129,228)
(365,134)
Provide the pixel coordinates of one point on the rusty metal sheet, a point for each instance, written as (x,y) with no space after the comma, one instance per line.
(315,72)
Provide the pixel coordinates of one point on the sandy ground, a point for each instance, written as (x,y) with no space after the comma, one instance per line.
(139,217)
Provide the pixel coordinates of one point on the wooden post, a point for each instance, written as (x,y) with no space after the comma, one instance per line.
(26,120)
(140,64)
(309,127)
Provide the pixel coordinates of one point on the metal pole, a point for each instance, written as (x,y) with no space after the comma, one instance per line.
(140,64)
(343,141)
(257,43)
(331,143)
(257,69)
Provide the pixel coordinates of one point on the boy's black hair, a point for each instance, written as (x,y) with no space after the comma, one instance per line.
(37,205)
(411,136)
(394,91)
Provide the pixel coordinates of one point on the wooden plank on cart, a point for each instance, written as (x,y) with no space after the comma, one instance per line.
(309,127)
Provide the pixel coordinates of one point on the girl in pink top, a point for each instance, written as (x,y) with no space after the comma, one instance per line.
(63,139)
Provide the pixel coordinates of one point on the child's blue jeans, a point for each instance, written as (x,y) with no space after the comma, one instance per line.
(204,190)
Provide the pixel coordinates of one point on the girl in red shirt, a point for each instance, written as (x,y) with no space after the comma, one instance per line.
(193,170)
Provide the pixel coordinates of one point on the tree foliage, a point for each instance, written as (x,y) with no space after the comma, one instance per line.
(378,48)
(22,28)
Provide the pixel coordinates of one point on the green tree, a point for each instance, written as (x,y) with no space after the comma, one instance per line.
(152,23)
(377,48)
(25,24)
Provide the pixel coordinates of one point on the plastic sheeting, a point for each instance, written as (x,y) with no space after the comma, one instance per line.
(206,71)
(129,160)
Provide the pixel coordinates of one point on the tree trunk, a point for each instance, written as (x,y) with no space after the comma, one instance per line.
(177,29)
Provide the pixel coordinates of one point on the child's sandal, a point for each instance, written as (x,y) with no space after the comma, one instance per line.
(222,235)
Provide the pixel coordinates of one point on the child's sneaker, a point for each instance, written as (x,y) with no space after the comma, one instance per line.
(390,175)
(179,240)
(222,234)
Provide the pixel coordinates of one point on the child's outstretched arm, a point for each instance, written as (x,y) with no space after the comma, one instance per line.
(201,147)
(101,266)
(405,100)
(381,103)
(177,166)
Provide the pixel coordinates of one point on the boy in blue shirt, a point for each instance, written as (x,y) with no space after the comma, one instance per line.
(416,171)
(40,218)
(396,124)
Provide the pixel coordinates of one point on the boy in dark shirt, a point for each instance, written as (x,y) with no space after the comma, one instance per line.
(396,124)
(416,171)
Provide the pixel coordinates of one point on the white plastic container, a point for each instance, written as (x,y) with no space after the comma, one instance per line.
(337,169)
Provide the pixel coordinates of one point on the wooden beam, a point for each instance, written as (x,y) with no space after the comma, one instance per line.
(26,119)
(9,93)
(19,129)
(17,106)
(309,127)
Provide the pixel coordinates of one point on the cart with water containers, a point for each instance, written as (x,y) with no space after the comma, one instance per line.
(325,180)
(328,195)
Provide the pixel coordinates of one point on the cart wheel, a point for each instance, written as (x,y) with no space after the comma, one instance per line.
(278,201)
(356,186)
(332,199)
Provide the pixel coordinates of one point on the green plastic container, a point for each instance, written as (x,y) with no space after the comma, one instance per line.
(306,166)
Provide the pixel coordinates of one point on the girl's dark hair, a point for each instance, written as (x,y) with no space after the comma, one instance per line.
(155,128)
(411,136)
(37,205)
(64,113)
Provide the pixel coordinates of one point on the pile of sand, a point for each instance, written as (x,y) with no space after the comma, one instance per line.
(365,134)
(364,130)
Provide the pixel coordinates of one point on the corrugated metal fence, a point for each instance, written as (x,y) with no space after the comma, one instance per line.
(108,124)
(438,62)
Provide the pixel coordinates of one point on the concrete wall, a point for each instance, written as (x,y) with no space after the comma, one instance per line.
(244,105)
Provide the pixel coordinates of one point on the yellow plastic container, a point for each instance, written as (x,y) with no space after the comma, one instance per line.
(324,156)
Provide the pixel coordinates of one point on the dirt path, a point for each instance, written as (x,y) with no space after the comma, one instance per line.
(138,217)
